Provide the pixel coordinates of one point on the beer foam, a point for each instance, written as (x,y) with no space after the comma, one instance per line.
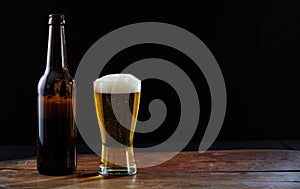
(117,83)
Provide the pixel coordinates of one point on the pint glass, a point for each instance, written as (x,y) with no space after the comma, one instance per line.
(117,99)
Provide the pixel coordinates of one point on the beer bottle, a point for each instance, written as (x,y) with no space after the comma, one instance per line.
(56,136)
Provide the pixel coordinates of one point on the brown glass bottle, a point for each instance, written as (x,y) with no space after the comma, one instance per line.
(56,136)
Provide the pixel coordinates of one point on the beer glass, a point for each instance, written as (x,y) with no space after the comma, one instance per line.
(117,99)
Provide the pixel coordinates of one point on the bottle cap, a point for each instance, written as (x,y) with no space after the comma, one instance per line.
(56,19)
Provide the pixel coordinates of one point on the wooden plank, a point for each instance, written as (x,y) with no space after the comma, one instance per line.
(31,179)
(233,160)
(212,169)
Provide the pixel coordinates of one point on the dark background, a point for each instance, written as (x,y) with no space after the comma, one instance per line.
(256,45)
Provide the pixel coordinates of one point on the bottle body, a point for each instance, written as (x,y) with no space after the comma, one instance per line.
(56,140)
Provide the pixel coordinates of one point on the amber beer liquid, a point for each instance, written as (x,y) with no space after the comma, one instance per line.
(56,136)
(117,99)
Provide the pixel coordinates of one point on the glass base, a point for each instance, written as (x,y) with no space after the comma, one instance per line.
(117,161)
(116,170)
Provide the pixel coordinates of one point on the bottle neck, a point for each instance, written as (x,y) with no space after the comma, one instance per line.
(56,55)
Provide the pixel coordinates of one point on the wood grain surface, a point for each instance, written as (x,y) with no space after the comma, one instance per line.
(212,169)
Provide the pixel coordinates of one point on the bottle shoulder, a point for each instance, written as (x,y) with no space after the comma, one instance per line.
(53,82)
(54,75)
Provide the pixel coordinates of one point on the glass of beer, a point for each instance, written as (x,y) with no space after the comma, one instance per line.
(117,99)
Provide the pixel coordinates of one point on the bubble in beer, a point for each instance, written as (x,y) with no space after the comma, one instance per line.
(117,83)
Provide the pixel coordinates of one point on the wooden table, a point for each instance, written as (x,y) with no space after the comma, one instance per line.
(212,169)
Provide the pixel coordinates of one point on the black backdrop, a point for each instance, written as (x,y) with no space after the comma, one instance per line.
(255,43)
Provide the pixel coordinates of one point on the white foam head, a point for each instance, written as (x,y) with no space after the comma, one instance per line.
(117,83)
